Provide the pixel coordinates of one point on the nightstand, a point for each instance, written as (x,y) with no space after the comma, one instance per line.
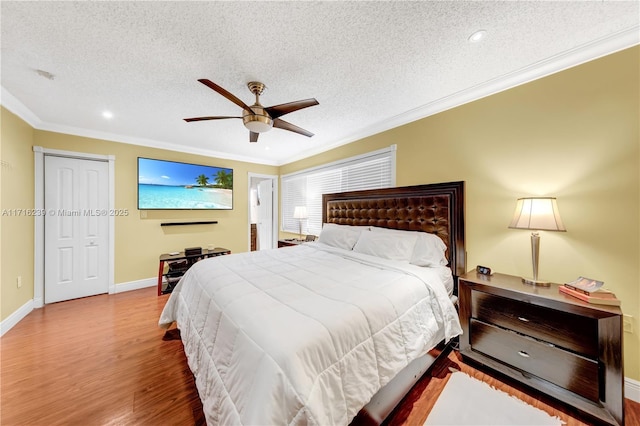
(287,243)
(568,349)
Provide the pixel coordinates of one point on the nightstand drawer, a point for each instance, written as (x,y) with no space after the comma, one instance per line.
(574,332)
(563,368)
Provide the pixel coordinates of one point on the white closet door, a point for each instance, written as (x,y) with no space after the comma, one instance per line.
(76,228)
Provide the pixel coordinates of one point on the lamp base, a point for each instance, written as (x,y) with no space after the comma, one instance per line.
(537,283)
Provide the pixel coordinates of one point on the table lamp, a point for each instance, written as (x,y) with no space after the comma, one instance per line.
(301,214)
(536,214)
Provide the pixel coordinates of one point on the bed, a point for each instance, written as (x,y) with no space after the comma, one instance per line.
(311,334)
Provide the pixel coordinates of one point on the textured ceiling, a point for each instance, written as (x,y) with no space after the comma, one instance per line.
(371,65)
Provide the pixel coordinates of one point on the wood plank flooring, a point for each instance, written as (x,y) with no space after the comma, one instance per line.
(103,360)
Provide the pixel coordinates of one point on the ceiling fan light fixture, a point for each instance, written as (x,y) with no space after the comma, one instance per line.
(256,118)
(257,123)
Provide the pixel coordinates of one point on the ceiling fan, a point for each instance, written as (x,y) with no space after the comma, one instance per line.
(256,118)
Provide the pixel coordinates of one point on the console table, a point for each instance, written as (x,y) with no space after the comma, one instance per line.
(182,264)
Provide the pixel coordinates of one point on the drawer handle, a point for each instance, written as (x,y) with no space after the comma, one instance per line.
(523,319)
(523,354)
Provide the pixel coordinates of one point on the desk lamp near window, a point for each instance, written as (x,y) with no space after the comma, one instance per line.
(301,214)
(536,214)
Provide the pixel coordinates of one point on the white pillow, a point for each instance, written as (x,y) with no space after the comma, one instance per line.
(387,245)
(340,236)
(429,249)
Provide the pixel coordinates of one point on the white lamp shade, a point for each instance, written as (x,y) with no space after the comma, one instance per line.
(300,212)
(537,213)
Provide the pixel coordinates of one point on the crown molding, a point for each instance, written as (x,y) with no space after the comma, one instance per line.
(15,106)
(551,65)
(11,103)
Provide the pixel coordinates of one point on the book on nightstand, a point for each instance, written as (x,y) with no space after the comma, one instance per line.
(585,285)
(601,297)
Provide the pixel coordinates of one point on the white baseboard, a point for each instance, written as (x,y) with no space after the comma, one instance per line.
(9,322)
(136,285)
(632,389)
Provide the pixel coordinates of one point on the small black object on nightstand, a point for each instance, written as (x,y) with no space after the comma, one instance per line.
(483,270)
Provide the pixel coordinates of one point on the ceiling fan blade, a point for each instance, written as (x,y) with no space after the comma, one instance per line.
(285,125)
(226,94)
(282,109)
(188,120)
(253,136)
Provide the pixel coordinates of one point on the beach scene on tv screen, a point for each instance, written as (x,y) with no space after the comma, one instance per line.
(172,185)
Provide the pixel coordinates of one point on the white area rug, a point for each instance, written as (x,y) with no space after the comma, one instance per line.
(467,401)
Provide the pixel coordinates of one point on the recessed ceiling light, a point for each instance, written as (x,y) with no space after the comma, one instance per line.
(266,148)
(107,114)
(477,36)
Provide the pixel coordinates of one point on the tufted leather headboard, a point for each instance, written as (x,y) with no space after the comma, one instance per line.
(435,208)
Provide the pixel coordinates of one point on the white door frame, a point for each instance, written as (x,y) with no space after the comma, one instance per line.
(276,199)
(38,255)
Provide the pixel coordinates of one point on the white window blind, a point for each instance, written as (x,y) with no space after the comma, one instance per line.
(305,188)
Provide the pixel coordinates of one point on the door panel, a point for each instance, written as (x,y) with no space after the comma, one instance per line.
(92,201)
(92,255)
(76,228)
(64,178)
(65,268)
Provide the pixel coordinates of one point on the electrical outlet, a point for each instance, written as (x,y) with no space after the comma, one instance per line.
(19,281)
(627,323)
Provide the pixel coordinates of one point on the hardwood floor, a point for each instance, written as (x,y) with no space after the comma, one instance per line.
(100,360)
(103,360)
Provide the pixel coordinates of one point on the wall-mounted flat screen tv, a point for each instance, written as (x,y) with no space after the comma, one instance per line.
(170,185)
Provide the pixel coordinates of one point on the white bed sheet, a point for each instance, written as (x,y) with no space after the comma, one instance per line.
(305,334)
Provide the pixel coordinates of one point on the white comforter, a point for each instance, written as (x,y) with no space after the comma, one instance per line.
(305,334)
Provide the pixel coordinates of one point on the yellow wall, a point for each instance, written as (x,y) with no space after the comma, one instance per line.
(138,240)
(17,231)
(573,135)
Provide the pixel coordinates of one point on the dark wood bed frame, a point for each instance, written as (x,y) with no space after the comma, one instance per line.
(435,208)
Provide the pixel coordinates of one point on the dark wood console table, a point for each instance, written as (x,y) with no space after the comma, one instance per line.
(182,264)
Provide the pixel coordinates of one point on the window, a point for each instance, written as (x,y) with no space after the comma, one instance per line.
(373,170)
